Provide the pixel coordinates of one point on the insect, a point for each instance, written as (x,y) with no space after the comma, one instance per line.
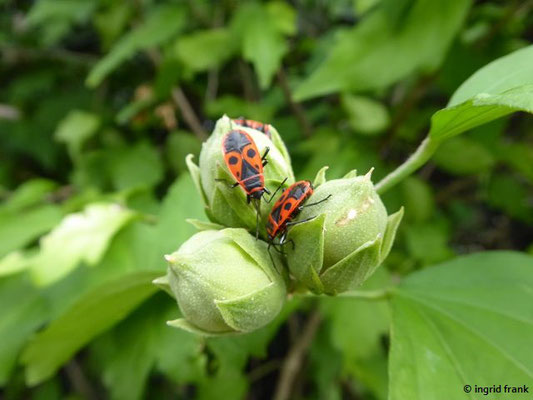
(246,165)
(250,123)
(288,206)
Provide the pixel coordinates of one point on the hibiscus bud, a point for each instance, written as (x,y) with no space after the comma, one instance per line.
(349,238)
(225,282)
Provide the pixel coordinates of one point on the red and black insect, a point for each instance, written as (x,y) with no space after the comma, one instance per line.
(288,206)
(250,123)
(246,165)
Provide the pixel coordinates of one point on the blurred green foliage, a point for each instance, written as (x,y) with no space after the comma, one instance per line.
(101,100)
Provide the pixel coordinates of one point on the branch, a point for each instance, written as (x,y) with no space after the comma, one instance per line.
(181,101)
(296,108)
(294,360)
(79,381)
(188,113)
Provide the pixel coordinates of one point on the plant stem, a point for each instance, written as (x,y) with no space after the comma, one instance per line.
(417,159)
(378,294)
(294,360)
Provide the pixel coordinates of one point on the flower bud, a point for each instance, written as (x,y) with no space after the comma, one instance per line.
(228,206)
(349,238)
(225,282)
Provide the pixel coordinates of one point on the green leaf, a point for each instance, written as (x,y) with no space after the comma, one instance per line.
(467,321)
(28,194)
(203,50)
(23,311)
(428,242)
(478,110)
(162,24)
(513,70)
(510,195)
(178,146)
(95,312)
(56,17)
(360,346)
(80,237)
(418,199)
(261,41)
(14,262)
(76,128)
(463,156)
(136,166)
(179,355)
(375,53)
(19,229)
(283,16)
(366,115)
(127,354)
(181,202)
(111,22)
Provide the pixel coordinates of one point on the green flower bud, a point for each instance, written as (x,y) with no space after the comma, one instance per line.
(225,282)
(228,206)
(349,238)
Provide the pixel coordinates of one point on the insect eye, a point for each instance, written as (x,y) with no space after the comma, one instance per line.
(287,206)
(233,160)
(251,153)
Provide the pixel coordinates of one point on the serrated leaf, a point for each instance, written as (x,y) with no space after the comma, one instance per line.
(361,58)
(80,237)
(364,323)
(262,43)
(465,322)
(127,354)
(92,314)
(203,50)
(161,25)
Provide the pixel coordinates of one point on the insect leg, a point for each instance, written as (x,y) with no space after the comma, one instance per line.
(314,204)
(283,240)
(277,190)
(299,222)
(230,185)
(265,161)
